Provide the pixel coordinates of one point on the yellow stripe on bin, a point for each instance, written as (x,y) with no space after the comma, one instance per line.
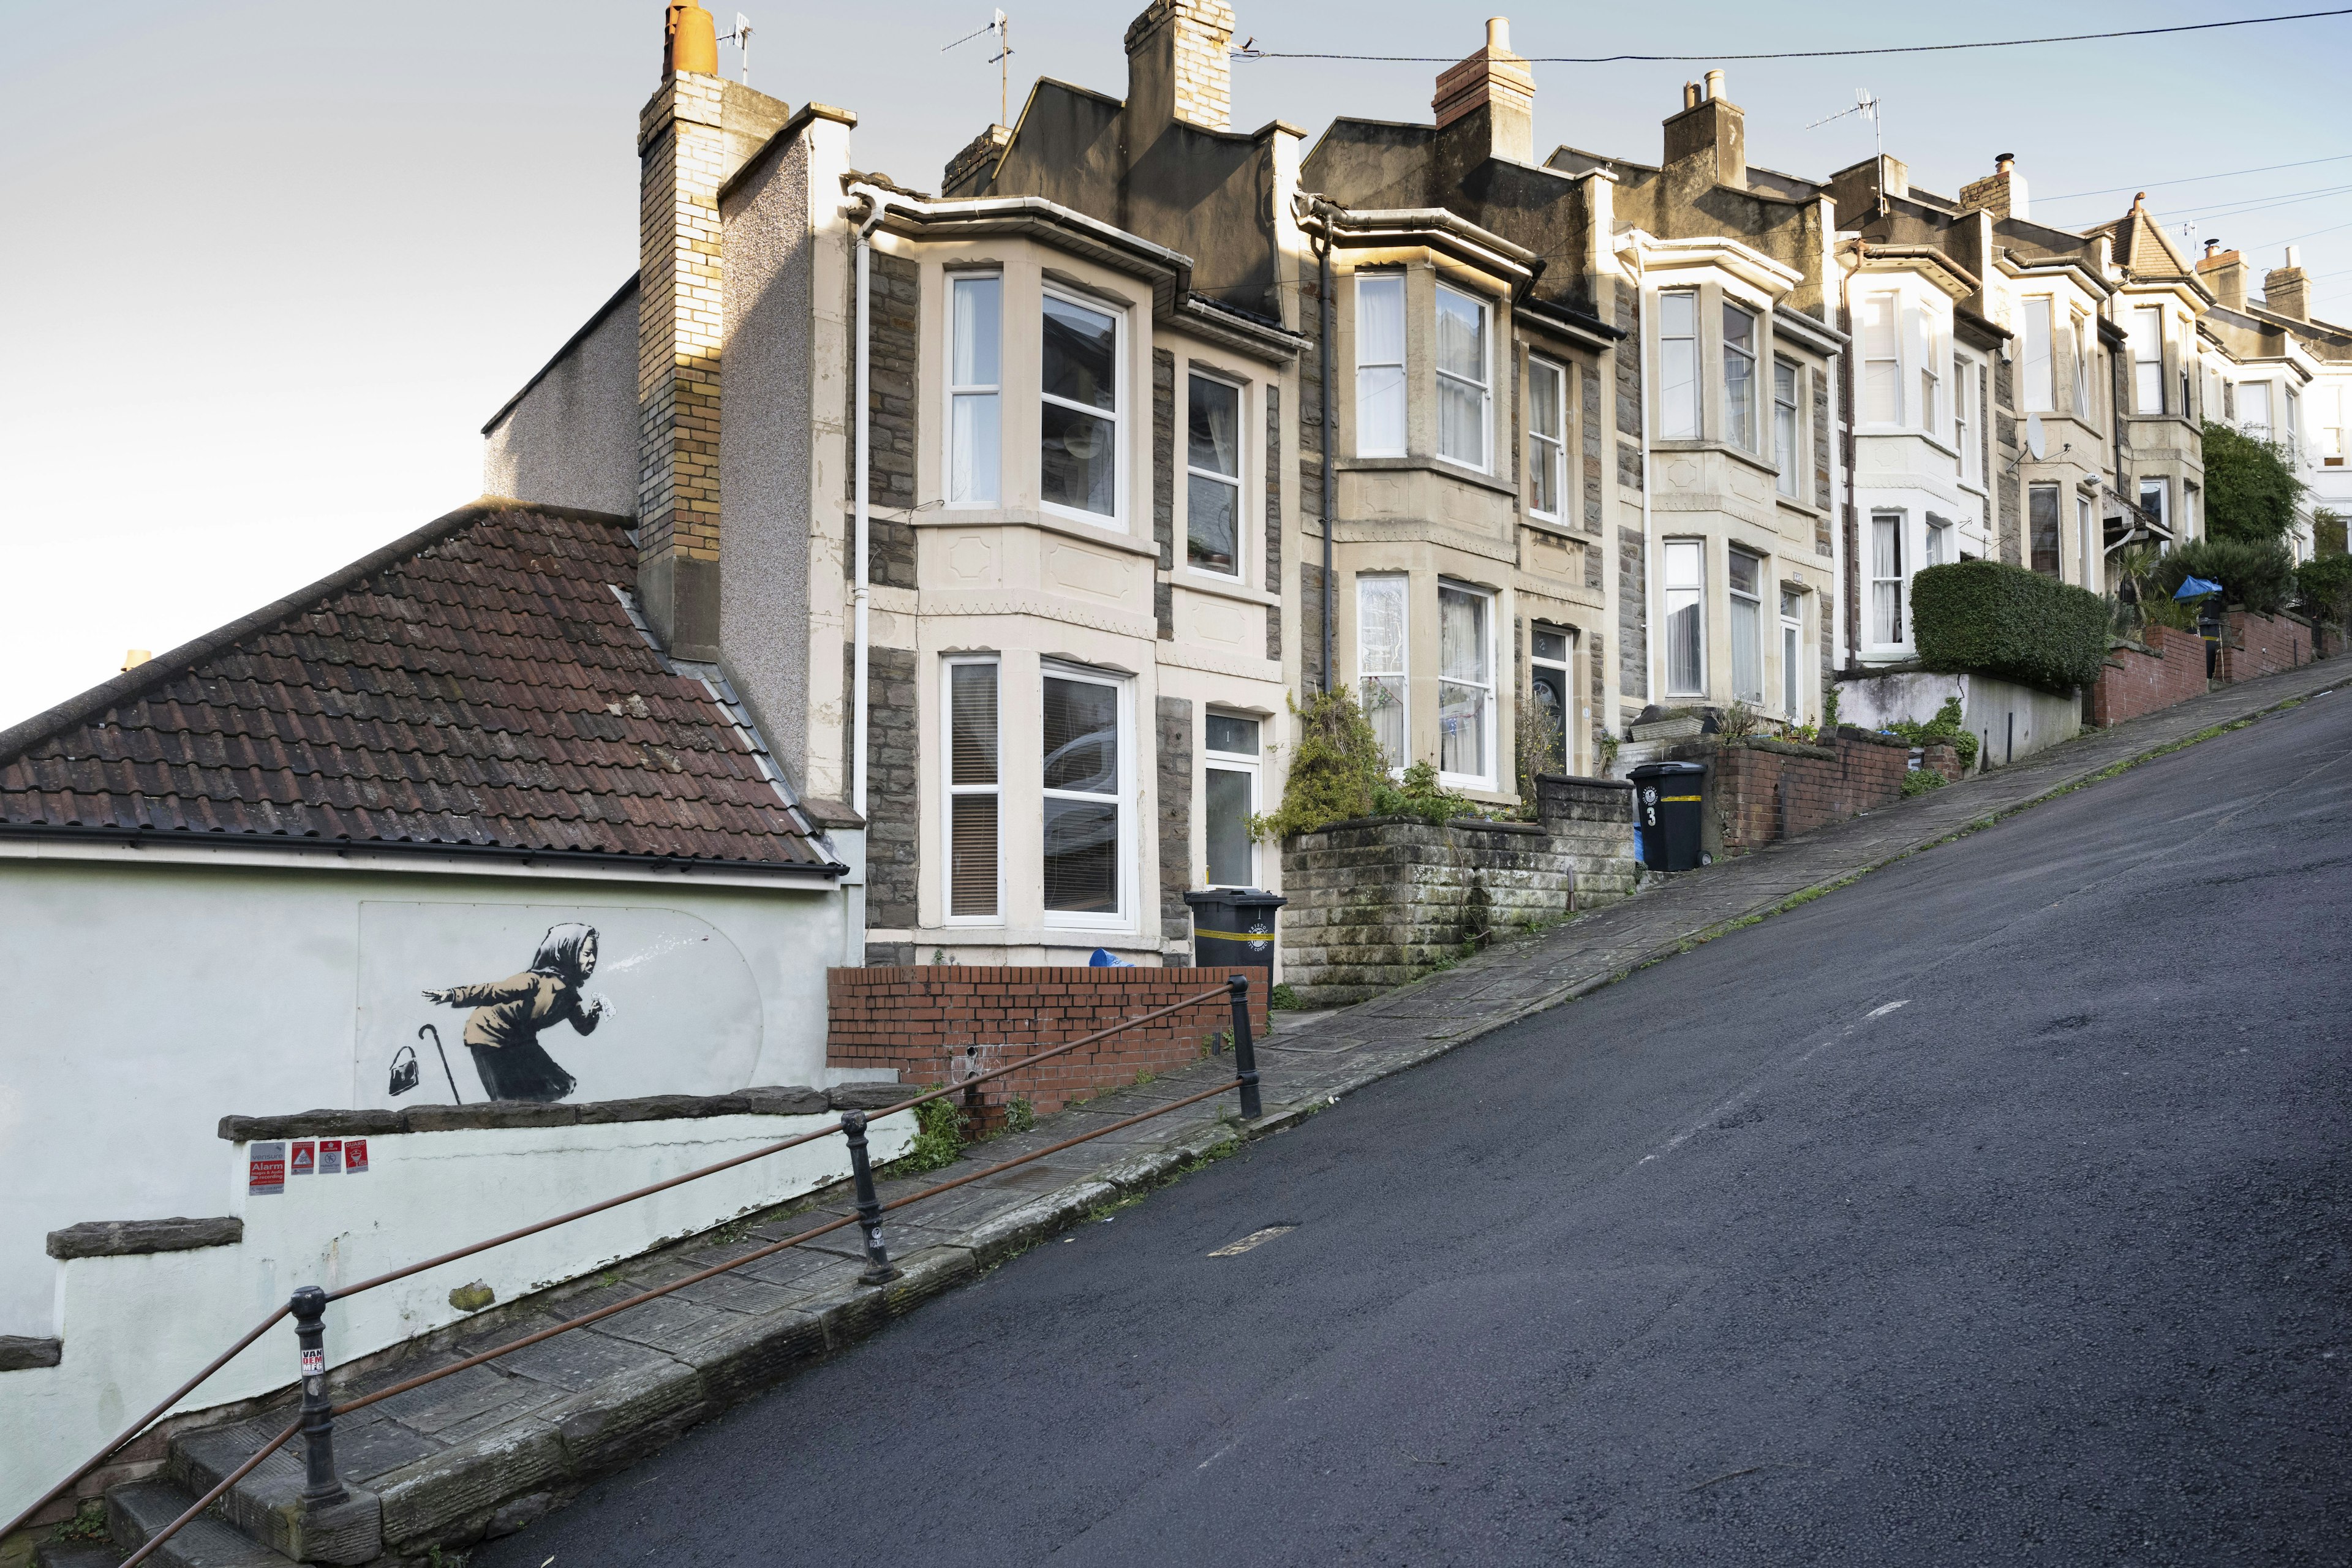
(1670,798)
(1236,935)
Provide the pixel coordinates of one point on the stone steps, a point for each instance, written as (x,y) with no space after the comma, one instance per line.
(267,1505)
(140,1510)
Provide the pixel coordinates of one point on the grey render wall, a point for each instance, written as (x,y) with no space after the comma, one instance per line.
(570,438)
(765,377)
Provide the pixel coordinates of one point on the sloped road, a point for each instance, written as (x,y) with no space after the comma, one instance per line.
(1991,1210)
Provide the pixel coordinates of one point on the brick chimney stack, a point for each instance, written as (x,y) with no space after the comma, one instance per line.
(2286,290)
(1176,64)
(1710,133)
(694,132)
(2001,193)
(1492,96)
(2224,273)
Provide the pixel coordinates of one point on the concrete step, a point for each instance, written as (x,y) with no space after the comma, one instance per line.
(139,1509)
(78,1554)
(267,1505)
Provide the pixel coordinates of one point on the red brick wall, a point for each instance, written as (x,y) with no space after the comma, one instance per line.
(2133,683)
(2262,645)
(918,1019)
(1751,785)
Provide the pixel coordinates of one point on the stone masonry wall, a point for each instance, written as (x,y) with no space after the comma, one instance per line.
(1755,787)
(2263,645)
(2165,667)
(942,1023)
(1592,821)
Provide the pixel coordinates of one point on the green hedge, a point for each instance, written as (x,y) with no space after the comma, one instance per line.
(1981,617)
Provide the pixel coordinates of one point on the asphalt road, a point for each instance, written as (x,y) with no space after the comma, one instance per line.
(1726,1264)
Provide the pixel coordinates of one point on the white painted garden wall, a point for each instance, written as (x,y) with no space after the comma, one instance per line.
(144,995)
(2011,722)
(134,1327)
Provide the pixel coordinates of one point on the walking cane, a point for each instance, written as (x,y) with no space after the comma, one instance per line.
(425,1029)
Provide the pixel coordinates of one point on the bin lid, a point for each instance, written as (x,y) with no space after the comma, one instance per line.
(1662,770)
(1239,897)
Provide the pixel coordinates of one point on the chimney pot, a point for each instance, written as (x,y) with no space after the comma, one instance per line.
(2211,246)
(1491,93)
(1499,34)
(2294,256)
(1690,95)
(689,40)
(1713,84)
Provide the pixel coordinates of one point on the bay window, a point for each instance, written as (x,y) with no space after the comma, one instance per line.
(1085,809)
(1931,379)
(1682,582)
(1784,427)
(975,888)
(975,377)
(2153,495)
(1079,418)
(1746,580)
(1885,577)
(1465,685)
(1213,494)
(1739,376)
(2254,409)
(2041,389)
(1547,438)
(1939,542)
(1464,395)
(1882,362)
(1380,364)
(2082,371)
(1230,798)
(2148,358)
(1381,612)
(1966,379)
(1678,366)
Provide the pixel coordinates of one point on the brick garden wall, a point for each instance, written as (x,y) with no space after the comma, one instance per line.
(1752,783)
(927,1020)
(2166,666)
(2263,645)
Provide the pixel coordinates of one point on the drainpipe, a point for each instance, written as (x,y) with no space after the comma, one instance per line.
(877,206)
(1649,545)
(1323,257)
(1849,535)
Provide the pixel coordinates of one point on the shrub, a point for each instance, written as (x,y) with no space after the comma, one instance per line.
(2324,586)
(1920,781)
(2251,491)
(1537,739)
(1983,618)
(1946,725)
(938,1139)
(2328,533)
(2257,577)
(1335,767)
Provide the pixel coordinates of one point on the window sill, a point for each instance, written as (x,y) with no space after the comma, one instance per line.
(1208,582)
(1108,535)
(1445,467)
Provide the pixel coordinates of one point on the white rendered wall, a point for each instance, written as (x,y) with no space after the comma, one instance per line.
(135,1327)
(142,999)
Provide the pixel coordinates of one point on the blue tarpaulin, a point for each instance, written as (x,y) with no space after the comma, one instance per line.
(2195,588)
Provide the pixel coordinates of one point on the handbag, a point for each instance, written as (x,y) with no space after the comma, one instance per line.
(404,1073)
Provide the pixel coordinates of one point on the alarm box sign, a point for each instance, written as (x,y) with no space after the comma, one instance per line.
(266,1171)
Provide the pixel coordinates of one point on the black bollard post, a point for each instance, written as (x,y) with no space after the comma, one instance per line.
(320,1484)
(1245,1052)
(869,1205)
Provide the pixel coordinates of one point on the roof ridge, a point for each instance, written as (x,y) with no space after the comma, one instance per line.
(142,679)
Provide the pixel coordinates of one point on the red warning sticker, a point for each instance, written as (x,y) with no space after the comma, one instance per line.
(266,1168)
(330,1156)
(355,1156)
(306,1160)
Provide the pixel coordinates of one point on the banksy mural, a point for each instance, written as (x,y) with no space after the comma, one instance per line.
(466,1003)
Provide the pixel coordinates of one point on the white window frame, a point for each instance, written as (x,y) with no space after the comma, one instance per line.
(2087,542)
(2082,366)
(1383,581)
(2294,423)
(1232,762)
(1674,595)
(1683,418)
(1937,543)
(1489,711)
(1745,439)
(1365,449)
(2037,390)
(959,393)
(1889,584)
(949,790)
(2148,359)
(1236,479)
(1115,415)
(1966,371)
(1124,918)
(1548,451)
(1792,653)
(2331,433)
(1931,379)
(2058,515)
(1485,386)
(2260,429)
(1565,667)
(1882,356)
(1735,598)
(1788,445)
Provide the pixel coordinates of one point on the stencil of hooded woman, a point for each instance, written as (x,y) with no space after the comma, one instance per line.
(509,1014)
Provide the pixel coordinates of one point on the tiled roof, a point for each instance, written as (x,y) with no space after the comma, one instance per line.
(476,687)
(2142,245)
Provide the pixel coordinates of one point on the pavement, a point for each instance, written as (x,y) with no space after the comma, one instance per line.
(1989,1210)
(507,1446)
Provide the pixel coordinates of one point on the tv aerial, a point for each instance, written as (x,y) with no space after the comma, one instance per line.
(741,38)
(1002,27)
(1866,105)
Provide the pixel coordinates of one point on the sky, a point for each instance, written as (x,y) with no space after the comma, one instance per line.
(268,269)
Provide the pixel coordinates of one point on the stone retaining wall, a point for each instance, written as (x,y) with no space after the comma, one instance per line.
(2165,667)
(941,1022)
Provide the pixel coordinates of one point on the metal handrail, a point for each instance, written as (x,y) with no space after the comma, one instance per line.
(1237,989)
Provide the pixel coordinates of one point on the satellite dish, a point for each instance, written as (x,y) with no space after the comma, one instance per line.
(2035,442)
